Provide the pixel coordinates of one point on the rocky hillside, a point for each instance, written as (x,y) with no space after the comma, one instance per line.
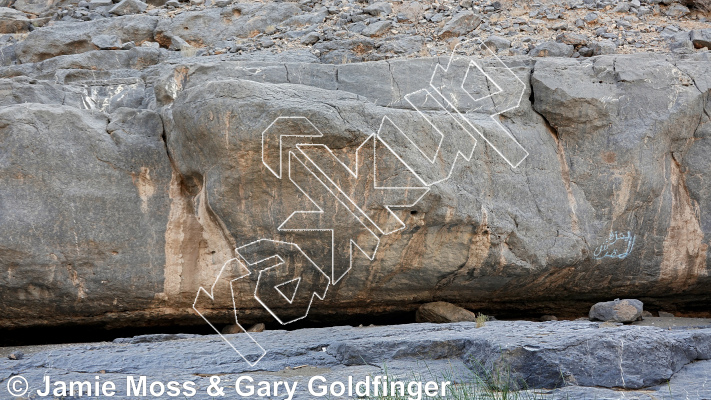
(149,150)
(342,31)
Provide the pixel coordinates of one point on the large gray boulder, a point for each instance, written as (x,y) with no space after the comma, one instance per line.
(608,203)
(13,21)
(76,37)
(207,27)
(569,204)
(441,311)
(84,209)
(618,143)
(627,310)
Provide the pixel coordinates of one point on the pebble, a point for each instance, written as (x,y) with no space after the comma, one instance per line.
(310,38)
(496,43)
(575,39)
(604,47)
(377,28)
(378,9)
(552,49)
(461,24)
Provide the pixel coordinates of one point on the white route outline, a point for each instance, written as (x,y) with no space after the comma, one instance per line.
(334,280)
(492,116)
(356,175)
(281,262)
(211,295)
(293,295)
(278,175)
(432,160)
(441,135)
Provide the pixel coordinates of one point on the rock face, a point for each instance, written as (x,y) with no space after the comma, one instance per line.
(97,189)
(133,175)
(440,312)
(602,189)
(628,310)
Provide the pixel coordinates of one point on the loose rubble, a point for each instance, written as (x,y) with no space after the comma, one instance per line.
(342,31)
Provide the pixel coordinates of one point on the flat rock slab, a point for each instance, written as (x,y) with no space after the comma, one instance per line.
(674,322)
(588,359)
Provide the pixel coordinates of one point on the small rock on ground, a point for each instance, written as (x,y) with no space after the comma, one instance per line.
(627,310)
(127,7)
(461,24)
(552,49)
(604,47)
(701,38)
(377,28)
(495,43)
(442,312)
